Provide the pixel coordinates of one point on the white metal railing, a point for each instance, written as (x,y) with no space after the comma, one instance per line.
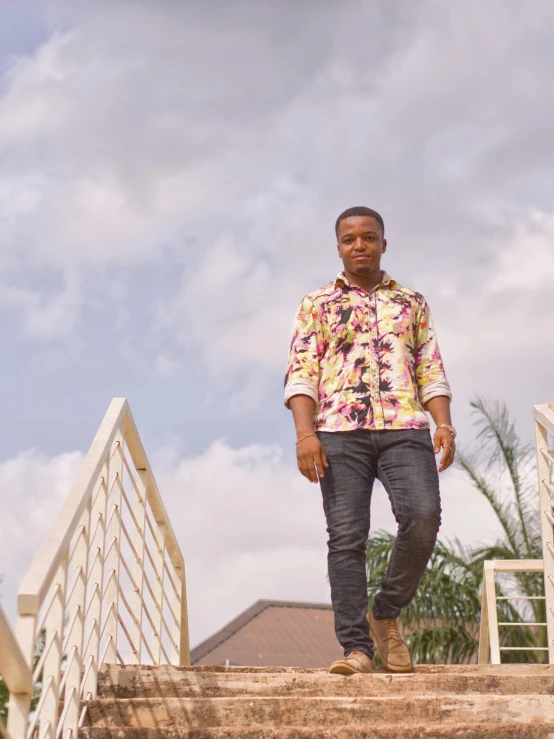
(107,585)
(489,640)
(544,427)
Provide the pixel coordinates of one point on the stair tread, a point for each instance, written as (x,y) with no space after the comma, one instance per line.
(317,698)
(516,669)
(175,713)
(129,684)
(505,730)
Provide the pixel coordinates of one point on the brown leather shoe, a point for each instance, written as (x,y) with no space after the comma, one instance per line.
(390,645)
(354,662)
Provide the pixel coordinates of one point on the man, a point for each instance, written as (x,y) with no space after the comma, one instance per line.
(364,367)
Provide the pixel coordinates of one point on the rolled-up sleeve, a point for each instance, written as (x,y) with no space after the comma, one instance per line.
(306,350)
(429,368)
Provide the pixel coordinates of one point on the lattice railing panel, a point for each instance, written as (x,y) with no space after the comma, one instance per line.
(108,585)
(490,647)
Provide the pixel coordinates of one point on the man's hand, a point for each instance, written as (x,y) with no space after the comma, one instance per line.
(443,440)
(309,452)
(311,456)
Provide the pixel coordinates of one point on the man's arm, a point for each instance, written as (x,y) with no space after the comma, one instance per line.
(306,350)
(310,454)
(301,388)
(433,387)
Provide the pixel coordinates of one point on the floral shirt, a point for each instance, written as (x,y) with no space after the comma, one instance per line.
(368,360)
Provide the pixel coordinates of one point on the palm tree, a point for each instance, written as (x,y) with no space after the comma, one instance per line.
(441,624)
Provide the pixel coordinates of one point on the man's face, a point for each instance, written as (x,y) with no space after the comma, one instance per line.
(360,244)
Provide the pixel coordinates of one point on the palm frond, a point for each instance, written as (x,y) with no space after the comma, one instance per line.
(442,644)
(502,509)
(502,447)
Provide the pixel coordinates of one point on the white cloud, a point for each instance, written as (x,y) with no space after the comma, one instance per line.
(232,140)
(250,527)
(248,524)
(526,256)
(166,366)
(125,145)
(33,487)
(47,317)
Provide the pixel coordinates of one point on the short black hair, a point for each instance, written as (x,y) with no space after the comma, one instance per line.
(360,210)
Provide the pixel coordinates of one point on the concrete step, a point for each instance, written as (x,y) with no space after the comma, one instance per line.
(171,682)
(401,731)
(176,714)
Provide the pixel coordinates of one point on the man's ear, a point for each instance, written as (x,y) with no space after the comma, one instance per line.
(384,246)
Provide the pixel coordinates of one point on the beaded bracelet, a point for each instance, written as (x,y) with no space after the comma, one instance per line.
(304,437)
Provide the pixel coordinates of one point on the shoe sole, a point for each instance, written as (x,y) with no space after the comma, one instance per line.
(390,668)
(344,669)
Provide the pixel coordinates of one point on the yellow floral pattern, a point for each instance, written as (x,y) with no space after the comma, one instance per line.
(369,360)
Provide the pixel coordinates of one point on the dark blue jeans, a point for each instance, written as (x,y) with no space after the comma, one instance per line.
(404,462)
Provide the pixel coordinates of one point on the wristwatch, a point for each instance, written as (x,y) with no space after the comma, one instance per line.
(447,426)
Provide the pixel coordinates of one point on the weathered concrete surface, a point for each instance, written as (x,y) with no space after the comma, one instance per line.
(452,731)
(175,713)
(170,682)
(507,701)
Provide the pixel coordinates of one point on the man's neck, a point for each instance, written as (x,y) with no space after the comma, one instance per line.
(367,281)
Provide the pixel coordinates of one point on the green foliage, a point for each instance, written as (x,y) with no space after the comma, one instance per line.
(39,649)
(4,697)
(442,623)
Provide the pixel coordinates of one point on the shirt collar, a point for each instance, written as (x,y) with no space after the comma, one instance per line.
(386,279)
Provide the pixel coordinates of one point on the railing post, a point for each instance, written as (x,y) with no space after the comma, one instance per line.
(492,616)
(20,703)
(18,714)
(95,584)
(158,588)
(484,634)
(181,632)
(138,570)
(77,605)
(545,501)
(52,664)
(111,598)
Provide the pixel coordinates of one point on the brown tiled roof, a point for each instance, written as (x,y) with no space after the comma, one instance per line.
(274,633)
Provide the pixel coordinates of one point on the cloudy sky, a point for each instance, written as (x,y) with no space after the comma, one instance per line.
(170,176)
